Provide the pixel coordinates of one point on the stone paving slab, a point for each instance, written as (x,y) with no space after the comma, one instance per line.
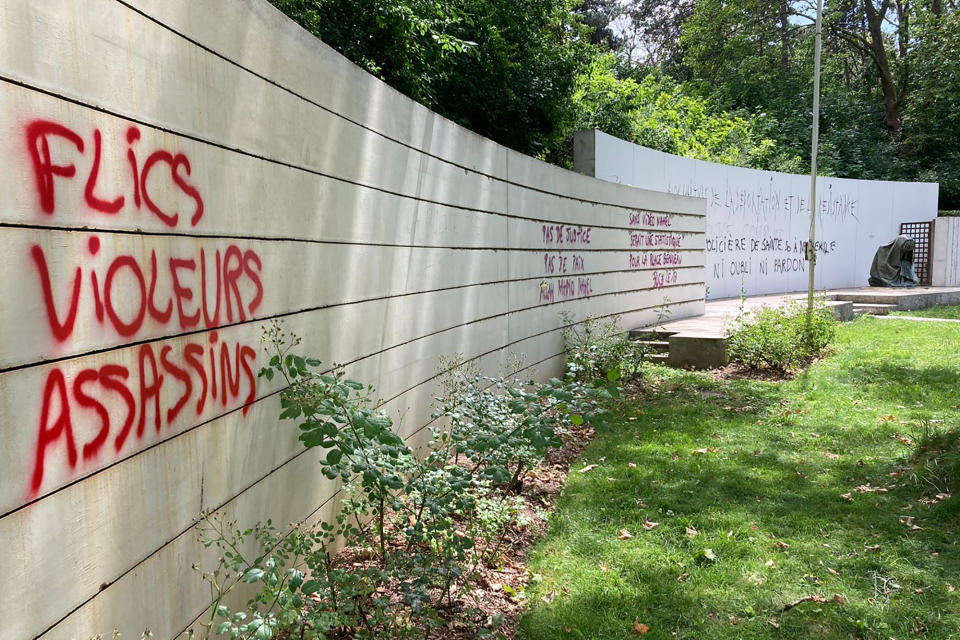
(718,314)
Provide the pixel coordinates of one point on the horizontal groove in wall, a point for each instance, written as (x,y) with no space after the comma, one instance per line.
(261,238)
(352,121)
(185,431)
(297,455)
(286,314)
(30,87)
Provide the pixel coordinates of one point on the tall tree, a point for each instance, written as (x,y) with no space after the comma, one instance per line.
(503,68)
(880,29)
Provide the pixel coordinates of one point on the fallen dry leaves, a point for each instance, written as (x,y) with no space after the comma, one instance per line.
(650,526)
(639,629)
(589,468)
(625,535)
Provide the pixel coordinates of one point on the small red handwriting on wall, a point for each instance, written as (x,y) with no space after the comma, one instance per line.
(665,278)
(562,263)
(566,289)
(655,259)
(557,234)
(648,219)
(126,405)
(642,240)
(216,288)
(47,169)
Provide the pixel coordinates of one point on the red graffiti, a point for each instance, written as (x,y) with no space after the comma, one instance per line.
(39,135)
(143,399)
(238,289)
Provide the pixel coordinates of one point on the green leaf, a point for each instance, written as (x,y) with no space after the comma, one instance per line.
(252,575)
(290,413)
(576,419)
(264,632)
(296,578)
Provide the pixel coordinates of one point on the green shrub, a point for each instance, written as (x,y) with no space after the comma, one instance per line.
(418,526)
(595,348)
(781,338)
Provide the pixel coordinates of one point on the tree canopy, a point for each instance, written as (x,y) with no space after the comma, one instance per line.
(723,80)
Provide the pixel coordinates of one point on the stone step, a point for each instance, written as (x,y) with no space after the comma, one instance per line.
(649,334)
(654,346)
(873,309)
(658,358)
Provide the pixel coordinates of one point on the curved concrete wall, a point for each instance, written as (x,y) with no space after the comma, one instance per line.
(758,222)
(174,176)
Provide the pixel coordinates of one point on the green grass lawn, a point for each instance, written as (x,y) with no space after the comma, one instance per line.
(757,472)
(951,312)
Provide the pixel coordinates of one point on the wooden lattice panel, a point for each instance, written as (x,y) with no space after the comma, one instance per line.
(922,235)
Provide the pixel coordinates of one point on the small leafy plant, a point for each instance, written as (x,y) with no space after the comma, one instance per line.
(594,348)
(781,338)
(415,528)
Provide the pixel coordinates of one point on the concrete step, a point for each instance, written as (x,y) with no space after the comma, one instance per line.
(658,358)
(873,309)
(654,346)
(649,334)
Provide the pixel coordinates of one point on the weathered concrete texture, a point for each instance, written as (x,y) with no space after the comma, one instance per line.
(697,352)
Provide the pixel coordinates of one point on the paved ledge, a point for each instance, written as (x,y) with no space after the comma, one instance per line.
(701,342)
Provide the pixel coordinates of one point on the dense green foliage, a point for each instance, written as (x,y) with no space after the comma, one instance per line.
(712,79)
(415,526)
(837,482)
(503,68)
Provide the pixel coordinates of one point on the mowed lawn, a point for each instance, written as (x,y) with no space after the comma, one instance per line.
(814,488)
(950,312)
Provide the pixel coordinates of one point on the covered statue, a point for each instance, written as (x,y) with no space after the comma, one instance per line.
(893,264)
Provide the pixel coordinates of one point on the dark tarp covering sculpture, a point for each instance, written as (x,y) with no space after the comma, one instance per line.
(893,264)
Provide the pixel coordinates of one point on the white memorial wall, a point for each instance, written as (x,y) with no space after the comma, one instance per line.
(175,176)
(758,222)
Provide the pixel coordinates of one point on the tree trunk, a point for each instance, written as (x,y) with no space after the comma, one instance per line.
(784,36)
(891,94)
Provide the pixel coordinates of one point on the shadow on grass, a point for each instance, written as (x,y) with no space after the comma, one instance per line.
(716,469)
(903,381)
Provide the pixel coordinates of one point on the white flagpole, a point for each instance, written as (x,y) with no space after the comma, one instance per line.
(814,147)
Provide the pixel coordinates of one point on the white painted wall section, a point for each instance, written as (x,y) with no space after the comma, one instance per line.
(945,270)
(173,177)
(758,221)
